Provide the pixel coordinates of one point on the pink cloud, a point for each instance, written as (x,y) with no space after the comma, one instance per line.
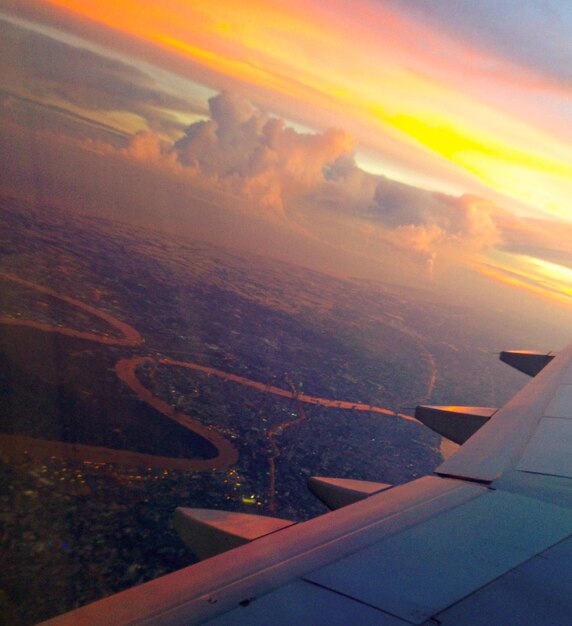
(259,155)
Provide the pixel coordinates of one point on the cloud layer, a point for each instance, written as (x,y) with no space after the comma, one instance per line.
(482,105)
(450,94)
(37,66)
(275,172)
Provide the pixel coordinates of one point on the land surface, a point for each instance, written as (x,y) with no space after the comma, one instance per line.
(144,372)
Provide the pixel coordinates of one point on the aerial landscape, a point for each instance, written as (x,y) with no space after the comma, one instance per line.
(216,282)
(224,403)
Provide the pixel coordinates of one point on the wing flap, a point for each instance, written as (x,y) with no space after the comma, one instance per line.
(208,532)
(457,423)
(212,587)
(548,451)
(526,361)
(336,493)
(499,444)
(304,603)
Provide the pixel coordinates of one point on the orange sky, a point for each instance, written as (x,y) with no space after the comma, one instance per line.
(367,66)
(430,104)
(550,281)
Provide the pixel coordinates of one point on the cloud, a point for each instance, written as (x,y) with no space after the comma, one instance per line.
(271,171)
(550,240)
(530,279)
(259,156)
(146,146)
(422,221)
(245,179)
(48,70)
(274,171)
(415,220)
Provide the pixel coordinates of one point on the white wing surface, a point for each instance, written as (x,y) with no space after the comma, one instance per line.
(486,539)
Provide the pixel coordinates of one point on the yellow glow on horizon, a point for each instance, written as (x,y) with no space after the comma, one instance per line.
(309,54)
(456,145)
(549,281)
(524,174)
(557,273)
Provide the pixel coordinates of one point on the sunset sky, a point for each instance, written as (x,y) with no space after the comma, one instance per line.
(416,141)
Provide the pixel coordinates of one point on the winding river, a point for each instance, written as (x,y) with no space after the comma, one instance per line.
(227,454)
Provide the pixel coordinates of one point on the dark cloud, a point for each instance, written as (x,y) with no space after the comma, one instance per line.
(550,240)
(36,65)
(415,220)
(536,282)
(460,218)
(559,257)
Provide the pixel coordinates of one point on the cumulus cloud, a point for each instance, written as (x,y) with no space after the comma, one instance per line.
(275,171)
(272,171)
(414,220)
(146,146)
(464,218)
(424,220)
(260,156)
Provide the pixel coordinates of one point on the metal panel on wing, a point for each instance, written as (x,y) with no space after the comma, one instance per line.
(307,604)
(561,403)
(548,451)
(424,569)
(537,592)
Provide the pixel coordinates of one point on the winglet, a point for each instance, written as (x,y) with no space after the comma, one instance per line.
(336,493)
(208,532)
(456,423)
(526,361)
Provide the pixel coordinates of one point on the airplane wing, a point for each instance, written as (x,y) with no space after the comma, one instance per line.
(486,539)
